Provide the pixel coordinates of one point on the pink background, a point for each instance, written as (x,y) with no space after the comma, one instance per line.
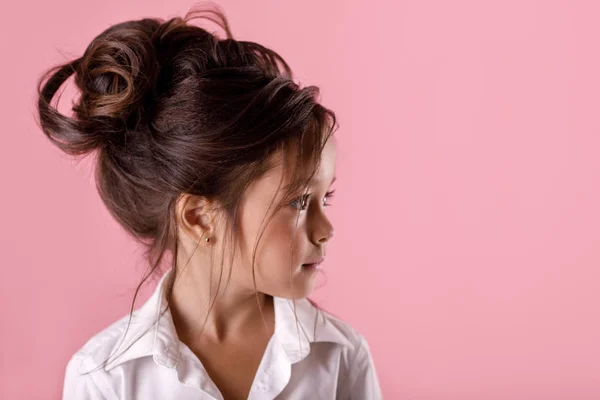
(468,201)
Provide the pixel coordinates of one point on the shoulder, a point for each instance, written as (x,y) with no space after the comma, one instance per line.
(123,333)
(85,376)
(126,338)
(102,342)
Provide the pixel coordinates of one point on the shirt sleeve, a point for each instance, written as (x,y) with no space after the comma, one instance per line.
(365,384)
(78,386)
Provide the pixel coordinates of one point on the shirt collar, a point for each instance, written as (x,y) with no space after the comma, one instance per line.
(152,332)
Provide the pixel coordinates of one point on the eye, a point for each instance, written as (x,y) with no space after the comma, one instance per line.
(329,195)
(304,200)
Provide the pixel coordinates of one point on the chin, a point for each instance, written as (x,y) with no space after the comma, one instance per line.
(297,295)
(302,288)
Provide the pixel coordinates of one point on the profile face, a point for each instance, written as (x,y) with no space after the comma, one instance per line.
(285,247)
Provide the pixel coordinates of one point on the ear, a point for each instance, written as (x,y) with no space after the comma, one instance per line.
(195,216)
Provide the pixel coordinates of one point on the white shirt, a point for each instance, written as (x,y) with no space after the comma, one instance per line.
(152,363)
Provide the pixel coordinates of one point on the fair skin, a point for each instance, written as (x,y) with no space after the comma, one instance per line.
(230,340)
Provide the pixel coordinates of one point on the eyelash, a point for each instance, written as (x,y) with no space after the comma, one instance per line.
(307,196)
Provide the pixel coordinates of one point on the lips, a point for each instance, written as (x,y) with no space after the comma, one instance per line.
(315,263)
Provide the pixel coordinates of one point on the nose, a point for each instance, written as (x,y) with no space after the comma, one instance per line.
(325,230)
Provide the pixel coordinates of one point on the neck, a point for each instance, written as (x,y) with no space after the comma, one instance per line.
(198,308)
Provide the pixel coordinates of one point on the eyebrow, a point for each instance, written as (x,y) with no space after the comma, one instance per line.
(315,180)
(312,181)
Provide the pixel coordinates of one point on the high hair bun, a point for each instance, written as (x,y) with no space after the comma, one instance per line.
(117,74)
(133,70)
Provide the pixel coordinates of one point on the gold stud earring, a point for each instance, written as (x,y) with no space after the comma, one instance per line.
(207,239)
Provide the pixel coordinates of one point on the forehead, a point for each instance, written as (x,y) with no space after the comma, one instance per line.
(323,176)
(266,187)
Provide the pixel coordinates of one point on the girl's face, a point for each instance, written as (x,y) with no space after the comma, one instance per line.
(278,267)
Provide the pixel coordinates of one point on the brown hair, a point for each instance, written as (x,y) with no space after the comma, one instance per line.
(169,108)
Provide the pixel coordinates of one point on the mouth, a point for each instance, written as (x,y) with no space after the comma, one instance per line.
(314,265)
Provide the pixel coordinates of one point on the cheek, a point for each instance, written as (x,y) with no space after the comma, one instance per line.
(280,248)
(281,239)
(274,249)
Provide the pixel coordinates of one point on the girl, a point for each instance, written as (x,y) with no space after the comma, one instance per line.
(213,158)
